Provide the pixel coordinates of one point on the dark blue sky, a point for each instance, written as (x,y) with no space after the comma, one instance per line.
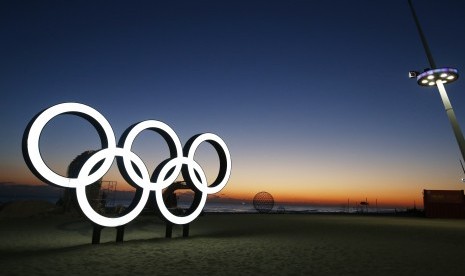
(308,94)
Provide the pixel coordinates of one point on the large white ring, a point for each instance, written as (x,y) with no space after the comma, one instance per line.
(81,189)
(138,128)
(199,185)
(190,155)
(39,124)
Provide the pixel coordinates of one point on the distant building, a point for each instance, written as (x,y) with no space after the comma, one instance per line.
(444,203)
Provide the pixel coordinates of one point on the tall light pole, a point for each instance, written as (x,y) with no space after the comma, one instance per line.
(439,77)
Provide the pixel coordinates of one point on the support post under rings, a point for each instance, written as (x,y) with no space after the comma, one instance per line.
(96,231)
(120,233)
(185,230)
(169,230)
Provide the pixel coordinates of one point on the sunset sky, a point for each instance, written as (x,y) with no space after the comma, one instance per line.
(312,97)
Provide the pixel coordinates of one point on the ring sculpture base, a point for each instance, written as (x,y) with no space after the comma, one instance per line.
(97,231)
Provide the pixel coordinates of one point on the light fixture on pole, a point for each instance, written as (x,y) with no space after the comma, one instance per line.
(438,77)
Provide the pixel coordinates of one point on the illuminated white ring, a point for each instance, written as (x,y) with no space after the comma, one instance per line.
(190,155)
(34,136)
(81,189)
(199,185)
(129,140)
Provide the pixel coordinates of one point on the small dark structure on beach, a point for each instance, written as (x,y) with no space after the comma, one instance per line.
(364,205)
(263,202)
(69,199)
(444,203)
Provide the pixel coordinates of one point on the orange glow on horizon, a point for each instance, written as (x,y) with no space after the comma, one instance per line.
(322,197)
(320,187)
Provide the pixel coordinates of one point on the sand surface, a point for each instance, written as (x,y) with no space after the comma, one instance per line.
(236,244)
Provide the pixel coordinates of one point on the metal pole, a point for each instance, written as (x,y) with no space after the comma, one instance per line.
(452,118)
(440,85)
(423,38)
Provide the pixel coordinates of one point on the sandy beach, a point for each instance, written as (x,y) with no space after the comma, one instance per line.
(233,244)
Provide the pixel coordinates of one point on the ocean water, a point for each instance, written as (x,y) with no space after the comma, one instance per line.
(247,207)
(227,207)
(5,199)
(215,207)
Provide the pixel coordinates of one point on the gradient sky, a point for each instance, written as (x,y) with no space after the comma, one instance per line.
(312,97)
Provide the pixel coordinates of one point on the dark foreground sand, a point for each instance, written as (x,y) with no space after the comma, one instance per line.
(237,244)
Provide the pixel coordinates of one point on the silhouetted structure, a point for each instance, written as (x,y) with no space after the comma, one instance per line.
(171,201)
(263,202)
(444,203)
(364,205)
(108,195)
(92,194)
(92,191)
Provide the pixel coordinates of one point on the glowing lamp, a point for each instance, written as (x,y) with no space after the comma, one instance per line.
(444,75)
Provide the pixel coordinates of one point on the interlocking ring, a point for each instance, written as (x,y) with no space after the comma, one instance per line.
(181,161)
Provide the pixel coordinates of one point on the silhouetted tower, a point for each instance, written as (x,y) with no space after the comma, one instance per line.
(92,191)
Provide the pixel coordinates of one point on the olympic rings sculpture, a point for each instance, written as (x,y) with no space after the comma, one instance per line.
(181,161)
